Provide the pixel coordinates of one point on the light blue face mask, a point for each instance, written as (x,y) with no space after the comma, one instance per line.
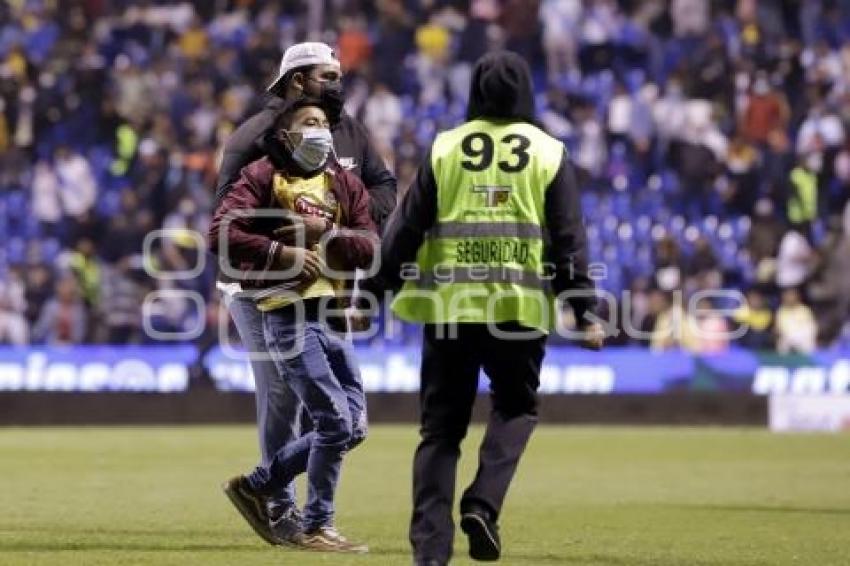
(313,149)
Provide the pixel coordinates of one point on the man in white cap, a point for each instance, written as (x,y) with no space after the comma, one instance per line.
(312,70)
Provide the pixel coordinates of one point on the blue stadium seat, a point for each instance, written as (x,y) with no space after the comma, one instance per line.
(589,202)
(642,229)
(109,203)
(634,79)
(741,227)
(16,249)
(16,202)
(100,159)
(728,254)
(31,228)
(50,249)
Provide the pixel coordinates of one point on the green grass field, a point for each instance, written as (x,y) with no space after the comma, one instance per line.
(603,496)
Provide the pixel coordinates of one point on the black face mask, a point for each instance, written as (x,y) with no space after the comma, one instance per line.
(330,93)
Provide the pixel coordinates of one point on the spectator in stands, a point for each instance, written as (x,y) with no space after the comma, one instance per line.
(520,25)
(712,72)
(46,206)
(620,112)
(592,151)
(796,329)
(642,126)
(777,160)
(599,30)
(766,111)
(121,295)
(433,41)
(690,17)
(13,325)
(355,48)
(763,241)
(803,197)
(560,20)
(706,331)
(757,315)
(77,187)
(194,43)
(395,42)
(820,137)
(829,289)
(645,308)
(670,113)
(668,265)
(134,94)
(673,328)
(39,285)
(63,319)
(742,166)
(697,158)
(794,261)
(84,264)
(127,228)
(383,116)
(703,267)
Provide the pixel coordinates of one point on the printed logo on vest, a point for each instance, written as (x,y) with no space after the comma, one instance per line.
(494,195)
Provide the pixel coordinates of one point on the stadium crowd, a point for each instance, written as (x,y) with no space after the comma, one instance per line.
(710,139)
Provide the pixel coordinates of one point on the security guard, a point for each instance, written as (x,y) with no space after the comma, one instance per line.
(486,236)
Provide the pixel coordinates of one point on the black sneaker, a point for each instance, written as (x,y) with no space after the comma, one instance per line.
(483,534)
(251,506)
(287,527)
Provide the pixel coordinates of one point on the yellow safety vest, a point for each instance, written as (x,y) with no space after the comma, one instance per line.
(482,261)
(803,204)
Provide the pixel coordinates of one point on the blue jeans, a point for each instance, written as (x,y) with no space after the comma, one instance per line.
(278,408)
(325,377)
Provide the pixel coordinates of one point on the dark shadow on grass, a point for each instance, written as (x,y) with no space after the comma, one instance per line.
(111,539)
(547,558)
(386,551)
(595,559)
(63,529)
(740,508)
(24,546)
(407,555)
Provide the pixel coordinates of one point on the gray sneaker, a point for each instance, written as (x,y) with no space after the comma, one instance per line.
(288,527)
(328,539)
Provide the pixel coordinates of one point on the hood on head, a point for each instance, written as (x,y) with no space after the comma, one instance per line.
(501,88)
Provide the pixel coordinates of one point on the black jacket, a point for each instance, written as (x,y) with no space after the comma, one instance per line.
(502,78)
(351,143)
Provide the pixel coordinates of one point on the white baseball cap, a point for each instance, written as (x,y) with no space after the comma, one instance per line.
(304,55)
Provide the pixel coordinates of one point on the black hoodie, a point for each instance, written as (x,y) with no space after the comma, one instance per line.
(501,91)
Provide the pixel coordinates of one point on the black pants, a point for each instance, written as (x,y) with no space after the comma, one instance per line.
(450,368)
